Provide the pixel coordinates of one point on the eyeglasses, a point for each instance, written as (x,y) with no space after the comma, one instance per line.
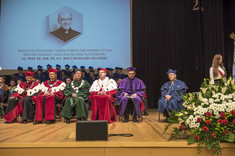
(68,19)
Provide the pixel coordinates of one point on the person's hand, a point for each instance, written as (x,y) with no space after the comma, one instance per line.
(74,95)
(47,94)
(125,94)
(100,93)
(168,97)
(133,95)
(50,93)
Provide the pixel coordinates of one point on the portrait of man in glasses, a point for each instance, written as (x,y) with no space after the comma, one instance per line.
(65,32)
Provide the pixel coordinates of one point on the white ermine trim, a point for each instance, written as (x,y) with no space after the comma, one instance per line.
(109,85)
(18,89)
(61,87)
(36,89)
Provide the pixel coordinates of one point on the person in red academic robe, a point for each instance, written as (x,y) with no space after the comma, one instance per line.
(103,93)
(22,100)
(50,95)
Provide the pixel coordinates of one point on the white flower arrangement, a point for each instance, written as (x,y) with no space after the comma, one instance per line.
(200,111)
(213,106)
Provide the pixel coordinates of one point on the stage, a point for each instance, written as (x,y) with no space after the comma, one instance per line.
(59,139)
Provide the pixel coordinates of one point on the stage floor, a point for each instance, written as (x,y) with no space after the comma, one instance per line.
(148,130)
(147,137)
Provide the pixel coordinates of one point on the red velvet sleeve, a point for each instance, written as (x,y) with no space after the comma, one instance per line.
(14,95)
(112,92)
(93,93)
(34,97)
(59,94)
(41,93)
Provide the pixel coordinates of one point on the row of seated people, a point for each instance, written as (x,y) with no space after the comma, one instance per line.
(30,95)
(170,100)
(66,74)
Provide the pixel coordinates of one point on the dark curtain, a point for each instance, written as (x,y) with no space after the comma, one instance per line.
(228,28)
(169,34)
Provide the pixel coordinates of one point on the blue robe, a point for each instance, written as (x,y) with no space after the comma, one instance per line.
(119,76)
(19,76)
(173,89)
(4,94)
(86,74)
(46,74)
(1,94)
(90,80)
(111,76)
(59,75)
(68,73)
(134,86)
(64,79)
(41,78)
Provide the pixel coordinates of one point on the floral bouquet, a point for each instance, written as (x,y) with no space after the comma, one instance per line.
(208,116)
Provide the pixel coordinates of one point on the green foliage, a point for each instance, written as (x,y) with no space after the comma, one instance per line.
(191,140)
(205,83)
(230,137)
(167,127)
(175,134)
(173,119)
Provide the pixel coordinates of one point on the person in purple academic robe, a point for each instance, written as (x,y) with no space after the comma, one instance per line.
(130,93)
(171,91)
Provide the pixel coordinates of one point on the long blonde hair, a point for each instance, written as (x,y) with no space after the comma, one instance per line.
(215,65)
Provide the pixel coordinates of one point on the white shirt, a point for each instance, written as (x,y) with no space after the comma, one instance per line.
(218,76)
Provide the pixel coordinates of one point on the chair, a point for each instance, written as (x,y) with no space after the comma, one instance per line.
(59,107)
(4,94)
(117,108)
(145,102)
(2,107)
(159,114)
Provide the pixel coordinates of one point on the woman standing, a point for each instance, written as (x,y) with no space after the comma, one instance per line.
(217,71)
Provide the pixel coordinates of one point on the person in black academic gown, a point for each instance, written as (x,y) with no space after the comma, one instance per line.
(20,74)
(59,72)
(83,70)
(39,68)
(110,73)
(46,73)
(40,75)
(74,69)
(90,68)
(118,74)
(67,70)
(92,77)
